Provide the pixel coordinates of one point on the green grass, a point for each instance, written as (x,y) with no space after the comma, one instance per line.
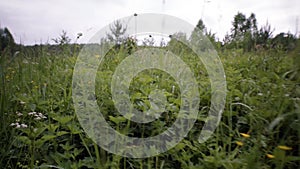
(263,101)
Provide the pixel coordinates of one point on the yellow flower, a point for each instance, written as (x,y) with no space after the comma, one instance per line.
(239,143)
(270,156)
(97,56)
(285,147)
(245,135)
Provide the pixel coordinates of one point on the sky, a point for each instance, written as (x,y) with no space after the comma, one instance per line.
(39,21)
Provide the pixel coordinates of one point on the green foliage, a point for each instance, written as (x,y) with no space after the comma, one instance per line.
(262,101)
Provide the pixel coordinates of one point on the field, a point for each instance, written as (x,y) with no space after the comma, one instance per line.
(260,126)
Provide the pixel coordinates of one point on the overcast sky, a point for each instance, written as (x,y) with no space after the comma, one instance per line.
(38,21)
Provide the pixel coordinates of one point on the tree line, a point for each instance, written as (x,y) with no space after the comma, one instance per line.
(244,35)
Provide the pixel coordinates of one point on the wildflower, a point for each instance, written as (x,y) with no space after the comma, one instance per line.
(239,143)
(285,147)
(21,102)
(245,135)
(37,118)
(42,116)
(13,124)
(19,114)
(259,94)
(24,125)
(18,125)
(32,113)
(97,56)
(270,156)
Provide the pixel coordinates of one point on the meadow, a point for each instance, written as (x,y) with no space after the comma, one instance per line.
(260,126)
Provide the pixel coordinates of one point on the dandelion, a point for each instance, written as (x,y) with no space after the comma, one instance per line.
(270,156)
(285,147)
(239,143)
(245,135)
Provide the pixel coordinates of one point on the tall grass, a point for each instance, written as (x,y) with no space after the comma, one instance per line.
(259,127)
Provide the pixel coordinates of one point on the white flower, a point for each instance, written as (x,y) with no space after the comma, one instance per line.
(260,94)
(32,113)
(37,118)
(21,102)
(24,125)
(18,126)
(12,124)
(19,114)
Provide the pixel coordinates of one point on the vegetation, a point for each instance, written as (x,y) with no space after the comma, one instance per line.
(260,126)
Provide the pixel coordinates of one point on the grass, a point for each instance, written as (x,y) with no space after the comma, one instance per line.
(259,127)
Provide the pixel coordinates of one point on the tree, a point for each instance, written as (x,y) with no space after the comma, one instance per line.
(200,25)
(244,31)
(200,34)
(238,29)
(63,39)
(117,33)
(264,36)
(6,39)
(285,41)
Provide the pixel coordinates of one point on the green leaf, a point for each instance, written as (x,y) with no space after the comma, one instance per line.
(118,119)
